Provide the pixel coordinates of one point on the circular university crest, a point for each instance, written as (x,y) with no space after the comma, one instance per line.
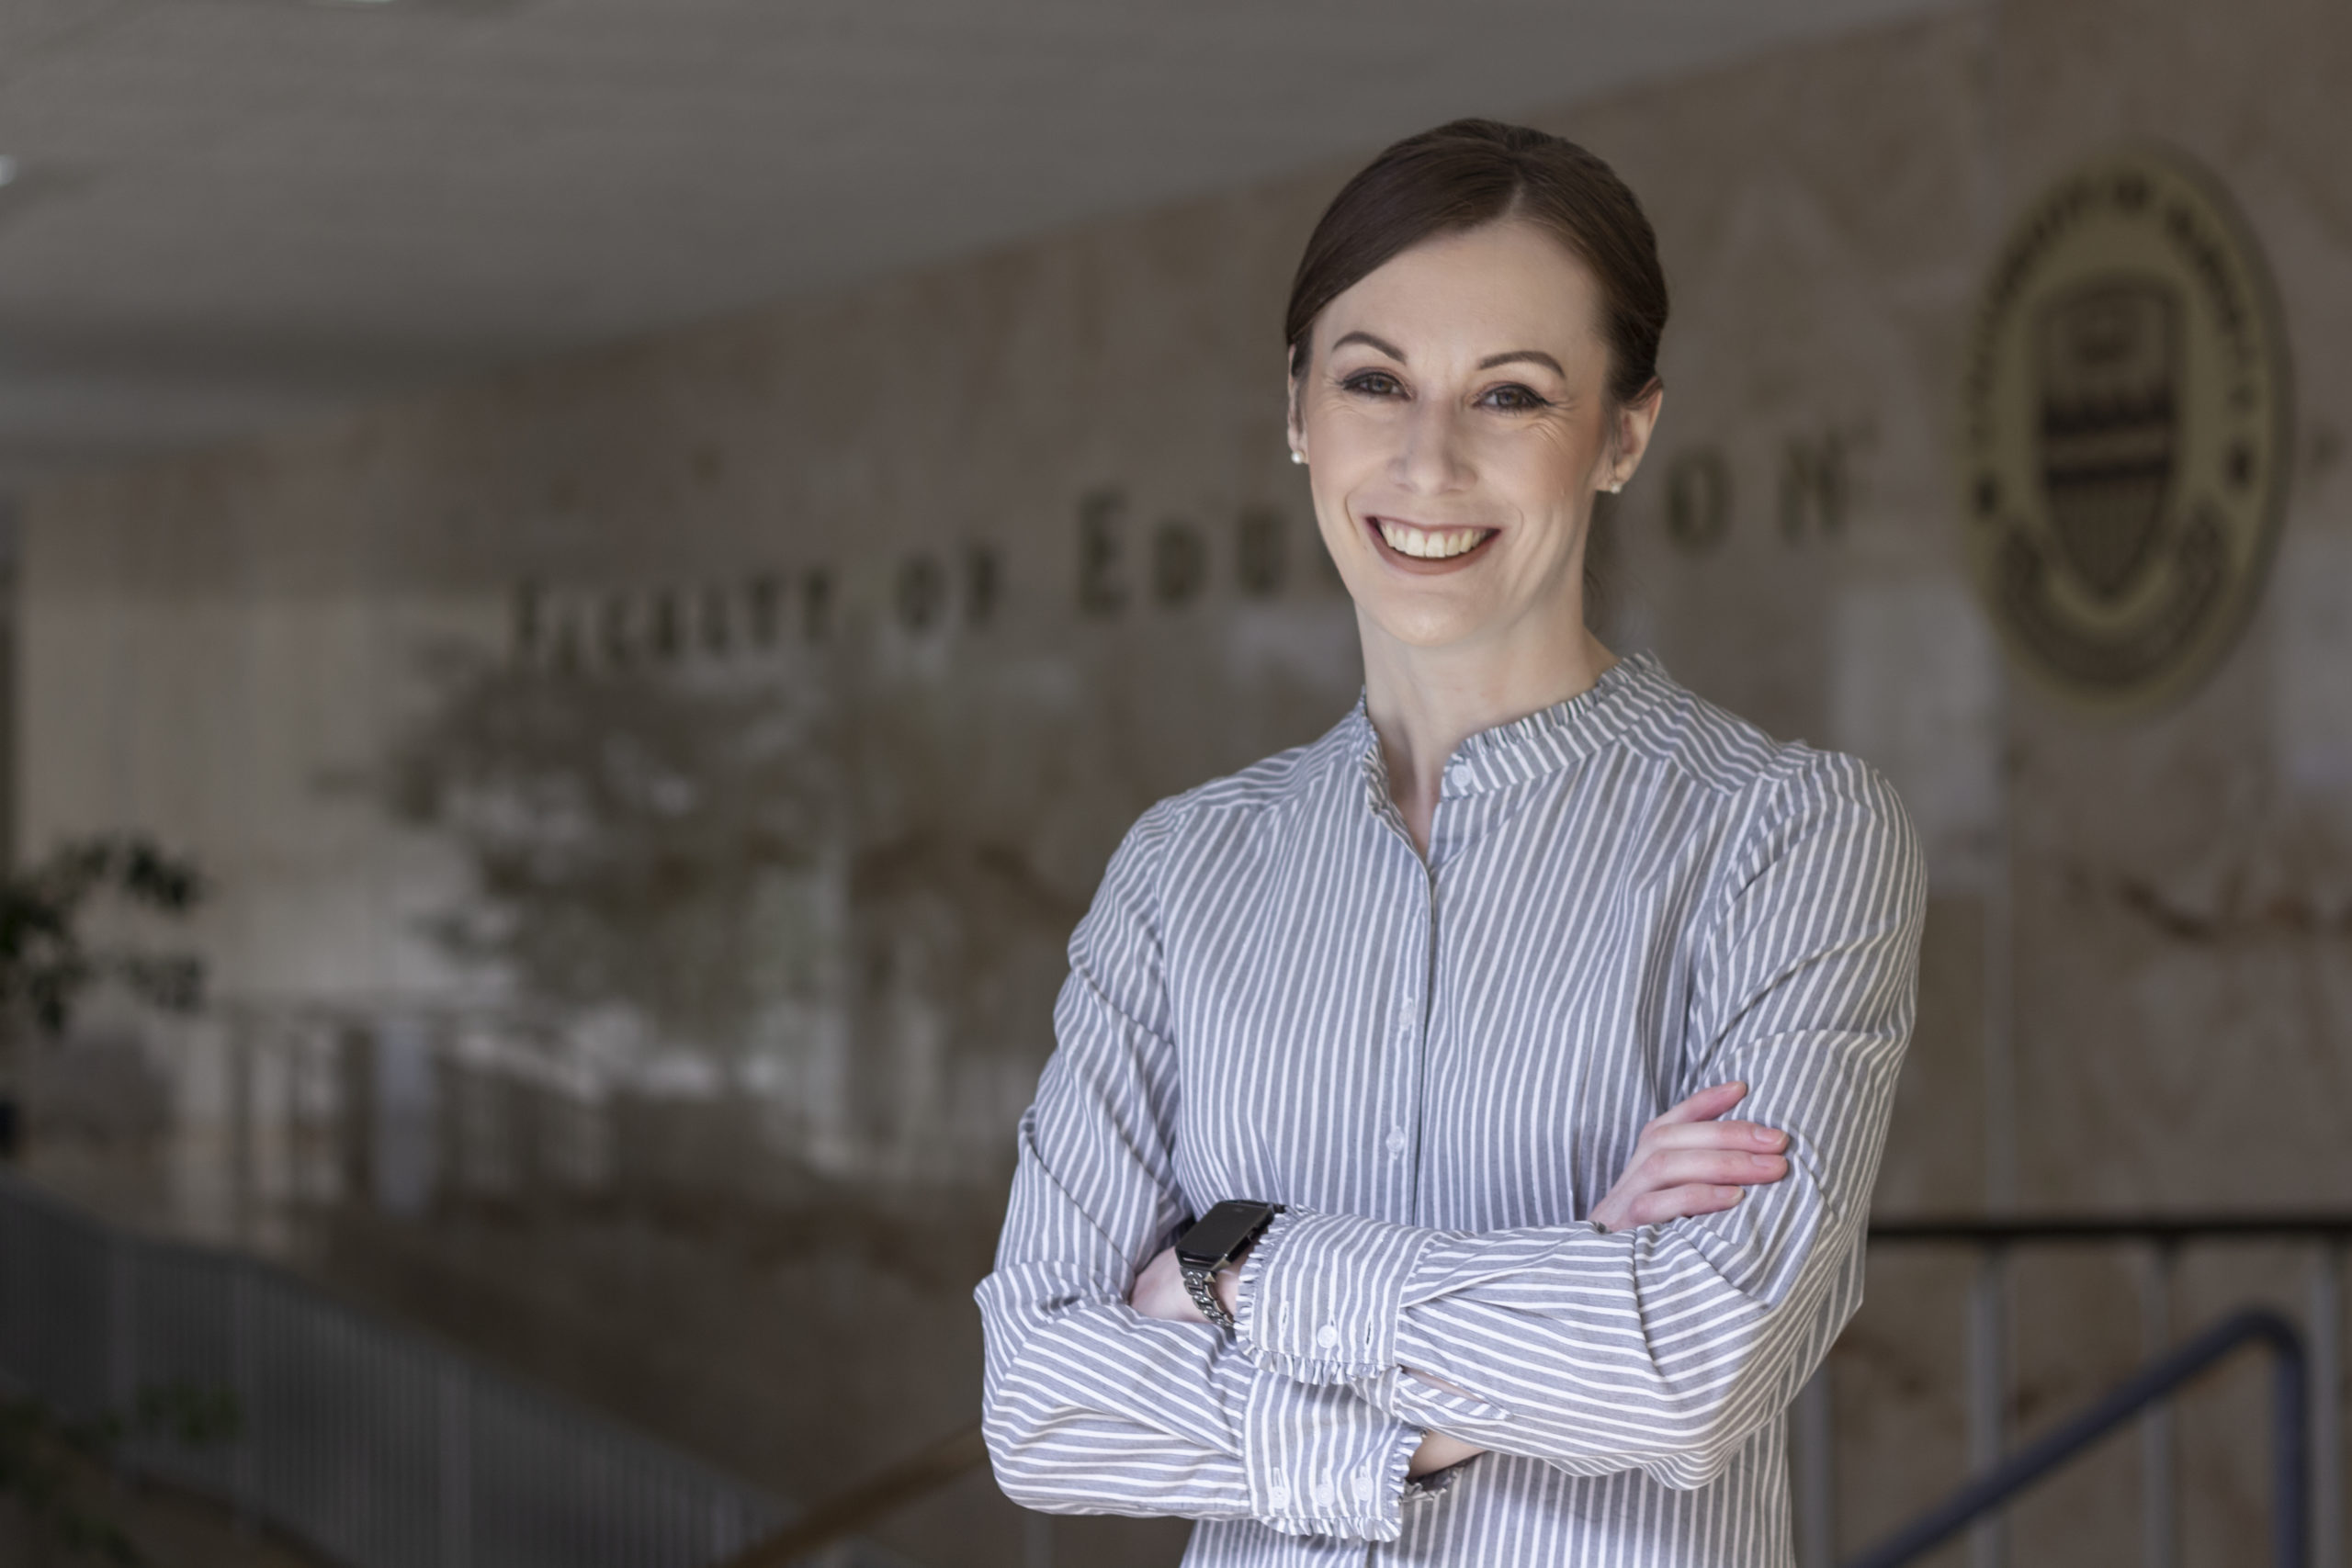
(2124,438)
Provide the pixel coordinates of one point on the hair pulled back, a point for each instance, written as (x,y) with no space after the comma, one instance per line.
(1466,175)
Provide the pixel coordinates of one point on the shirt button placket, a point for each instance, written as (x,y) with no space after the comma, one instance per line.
(1411,1041)
(1406,1066)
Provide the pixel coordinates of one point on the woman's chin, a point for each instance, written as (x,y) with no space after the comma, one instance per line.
(1431,628)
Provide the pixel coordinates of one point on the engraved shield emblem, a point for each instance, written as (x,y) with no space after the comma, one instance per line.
(2125,430)
(2108,356)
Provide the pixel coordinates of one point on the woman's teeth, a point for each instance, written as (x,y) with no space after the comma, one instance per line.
(1429,544)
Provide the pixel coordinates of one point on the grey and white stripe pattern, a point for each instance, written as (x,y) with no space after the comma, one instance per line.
(1441,1066)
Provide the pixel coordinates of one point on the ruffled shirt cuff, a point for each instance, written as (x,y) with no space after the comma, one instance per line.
(1322,1461)
(1321,1296)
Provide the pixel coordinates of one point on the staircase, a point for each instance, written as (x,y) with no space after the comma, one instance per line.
(370,1443)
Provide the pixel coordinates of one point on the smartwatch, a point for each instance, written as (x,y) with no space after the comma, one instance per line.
(1218,1239)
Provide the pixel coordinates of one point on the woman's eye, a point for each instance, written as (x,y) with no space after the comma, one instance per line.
(1372,383)
(1514,398)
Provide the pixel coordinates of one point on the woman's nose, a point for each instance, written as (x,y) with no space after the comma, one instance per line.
(1430,458)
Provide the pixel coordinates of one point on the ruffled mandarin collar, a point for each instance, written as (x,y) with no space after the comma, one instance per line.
(1538,743)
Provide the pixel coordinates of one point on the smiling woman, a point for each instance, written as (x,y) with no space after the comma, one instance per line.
(1380,1188)
(1473,354)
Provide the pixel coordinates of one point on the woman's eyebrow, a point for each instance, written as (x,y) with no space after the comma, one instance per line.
(1390,349)
(1528,356)
(1533,355)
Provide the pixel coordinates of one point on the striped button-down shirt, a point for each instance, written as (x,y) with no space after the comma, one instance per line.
(1439,1065)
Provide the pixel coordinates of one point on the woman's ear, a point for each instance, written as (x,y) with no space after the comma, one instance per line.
(1294,426)
(1637,422)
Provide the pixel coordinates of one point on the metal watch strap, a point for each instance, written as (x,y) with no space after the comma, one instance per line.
(1201,1284)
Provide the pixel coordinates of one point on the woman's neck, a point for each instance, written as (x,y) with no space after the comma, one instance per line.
(1425,702)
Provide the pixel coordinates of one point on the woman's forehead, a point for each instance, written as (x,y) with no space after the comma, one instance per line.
(1502,287)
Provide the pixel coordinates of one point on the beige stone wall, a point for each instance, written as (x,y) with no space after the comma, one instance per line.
(989,547)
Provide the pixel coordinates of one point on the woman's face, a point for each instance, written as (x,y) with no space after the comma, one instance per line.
(1453,418)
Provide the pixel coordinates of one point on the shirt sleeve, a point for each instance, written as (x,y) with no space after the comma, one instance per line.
(1664,1349)
(1089,1406)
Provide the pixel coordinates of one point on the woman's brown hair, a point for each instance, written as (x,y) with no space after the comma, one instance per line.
(1470,173)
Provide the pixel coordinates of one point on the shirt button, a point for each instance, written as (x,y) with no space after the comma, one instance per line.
(1279,1494)
(1328,1336)
(1324,1493)
(1397,1142)
(1364,1484)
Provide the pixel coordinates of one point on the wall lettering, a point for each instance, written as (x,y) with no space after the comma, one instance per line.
(922,590)
(1814,486)
(1697,499)
(621,628)
(1258,554)
(1178,562)
(1100,592)
(983,581)
(816,603)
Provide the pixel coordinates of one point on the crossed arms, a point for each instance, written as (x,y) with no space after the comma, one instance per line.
(1688,1161)
(1661,1349)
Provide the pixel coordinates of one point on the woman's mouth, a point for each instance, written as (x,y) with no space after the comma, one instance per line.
(1429,544)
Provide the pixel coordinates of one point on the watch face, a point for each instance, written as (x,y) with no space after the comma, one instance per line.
(1222,1231)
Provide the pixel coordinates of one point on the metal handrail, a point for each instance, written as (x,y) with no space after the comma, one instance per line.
(2156,1381)
(2027,1229)
(1997,1241)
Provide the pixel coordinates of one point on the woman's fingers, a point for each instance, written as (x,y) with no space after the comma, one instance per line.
(1679,1167)
(1714,1136)
(1682,1204)
(1690,1161)
(1705,1105)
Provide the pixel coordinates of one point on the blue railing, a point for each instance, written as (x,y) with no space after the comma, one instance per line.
(2154,1242)
(2159,1379)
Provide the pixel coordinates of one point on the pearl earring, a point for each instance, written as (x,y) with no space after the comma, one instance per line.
(1296,456)
(1618,487)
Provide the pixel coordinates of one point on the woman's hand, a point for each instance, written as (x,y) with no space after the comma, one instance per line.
(1686,1162)
(1159,1292)
(1438,1451)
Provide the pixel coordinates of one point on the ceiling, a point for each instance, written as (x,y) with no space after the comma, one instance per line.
(227,215)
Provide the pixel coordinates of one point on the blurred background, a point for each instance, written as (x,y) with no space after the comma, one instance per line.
(609,574)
